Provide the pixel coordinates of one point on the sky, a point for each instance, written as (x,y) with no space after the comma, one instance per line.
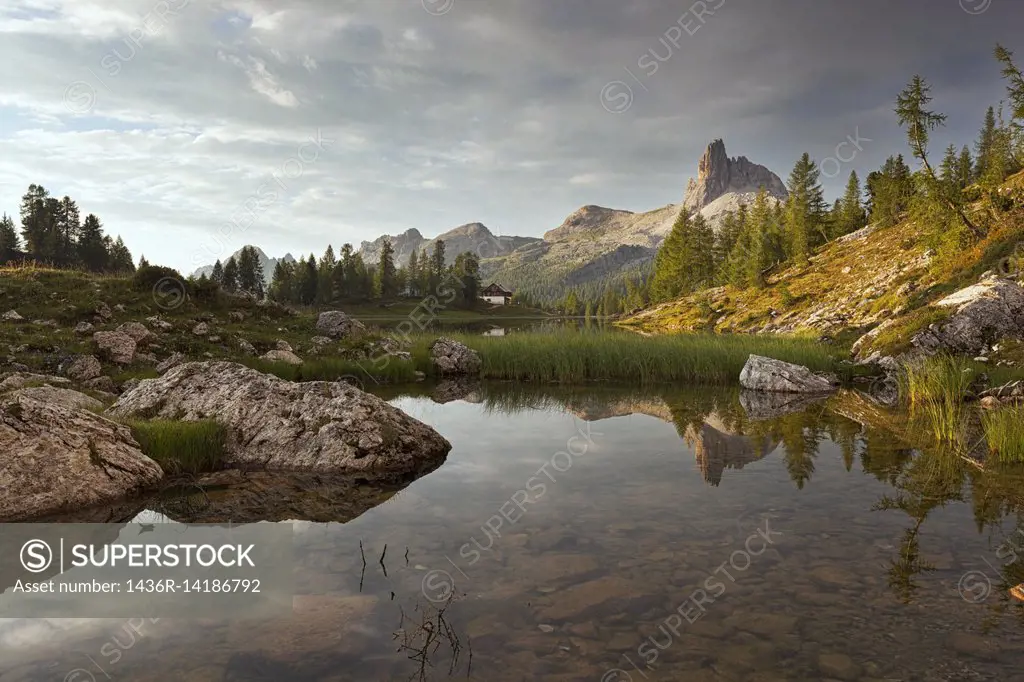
(193,127)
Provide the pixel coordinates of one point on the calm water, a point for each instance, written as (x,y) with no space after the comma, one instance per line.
(622,535)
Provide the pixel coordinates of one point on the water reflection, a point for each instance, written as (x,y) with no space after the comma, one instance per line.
(867,582)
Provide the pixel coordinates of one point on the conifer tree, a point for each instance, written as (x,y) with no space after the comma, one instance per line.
(467,269)
(386,281)
(325,273)
(218,273)
(851,214)
(341,278)
(983,148)
(119,258)
(250,272)
(413,274)
(91,250)
(964,168)
(230,282)
(282,283)
(36,226)
(804,210)
(10,244)
(309,281)
(1015,97)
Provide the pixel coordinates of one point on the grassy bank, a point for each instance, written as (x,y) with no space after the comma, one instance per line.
(572,357)
(181,447)
(391,371)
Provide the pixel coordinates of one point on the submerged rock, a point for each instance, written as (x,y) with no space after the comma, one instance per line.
(57,456)
(451,357)
(277,424)
(767,374)
(762,405)
(983,314)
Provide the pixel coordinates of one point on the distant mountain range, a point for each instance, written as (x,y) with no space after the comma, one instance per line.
(595,246)
(266,261)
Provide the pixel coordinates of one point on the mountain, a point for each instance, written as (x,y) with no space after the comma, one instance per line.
(266,261)
(597,246)
(474,237)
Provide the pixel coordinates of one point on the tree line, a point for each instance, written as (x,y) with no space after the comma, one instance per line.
(346,277)
(53,232)
(755,239)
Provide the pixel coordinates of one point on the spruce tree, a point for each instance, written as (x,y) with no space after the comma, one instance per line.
(964,168)
(230,282)
(282,283)
(10,245)
(36,224)
(67,224)
(983,148)
(309,281)
(851,215)
(325,272)
(386,284)
(805,222)
(437,266)
(467,269)
(1015,97)
(250,272)
(341,277)
(413,274)
(91,250)
(218,273)
(119,258)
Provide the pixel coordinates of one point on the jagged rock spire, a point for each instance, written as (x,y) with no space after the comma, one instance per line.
(717,175)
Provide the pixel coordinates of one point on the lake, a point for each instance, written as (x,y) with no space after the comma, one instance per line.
(613,534)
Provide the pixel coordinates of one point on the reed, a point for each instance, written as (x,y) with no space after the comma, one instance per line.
(182,447)
(1004,433)
(935,389)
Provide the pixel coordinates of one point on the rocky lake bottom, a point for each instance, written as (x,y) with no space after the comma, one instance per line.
(612,534)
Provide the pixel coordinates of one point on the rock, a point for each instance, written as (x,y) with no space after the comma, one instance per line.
(119,308)
(104,384)
(103,312)
(990,403)
(10,381)
(236,316)
(839,666)
(137,331)
(130,384)
(58,458)
(173,361)
(246,347)
(157,323)
(83,328)
(764,406)
(283,345)
(338,325)
(767,374)
(115,346)
(982,315)
(449,390)
(145,358)
(277,424)
(60,396)
(718,175)
(451,357)
(320,341)
(285,356)
(52,324)
(847,270)
(12,316)
(201,329)
(83,368)
(214,339)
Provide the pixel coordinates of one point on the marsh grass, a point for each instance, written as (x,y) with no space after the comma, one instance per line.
(572,357)
(1004,432)
(935,389)
(182,447)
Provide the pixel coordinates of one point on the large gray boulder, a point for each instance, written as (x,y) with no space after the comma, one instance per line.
(285,356)
(338,325)
(83,368)
(981,315)
(767,374)
(137,331)
(59,457)
(449,357)
(328,427)
(117,347)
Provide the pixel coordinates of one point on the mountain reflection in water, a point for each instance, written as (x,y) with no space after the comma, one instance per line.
(891,560)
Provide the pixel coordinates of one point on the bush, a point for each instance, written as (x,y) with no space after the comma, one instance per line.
(204,289)
(148,277)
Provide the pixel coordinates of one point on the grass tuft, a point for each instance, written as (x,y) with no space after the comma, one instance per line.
(384,369)
(1004,432)
(935,389)
(182,447)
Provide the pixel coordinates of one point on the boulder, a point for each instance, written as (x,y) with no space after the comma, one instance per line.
(765,406)
(103,384)
(84,328)
(285,356)
(201,329)
(338,325)
(246,347)
(767,374)
(12,316)
(137,331)
(58,458)
(236,316)
(320,341)
(60,396)
(981,315)
(103,312)
(10,381)
(156,322)
(115,346)
(130,384)
(283,345)
(451,357)
(83,368)
(173,361)
(329,427)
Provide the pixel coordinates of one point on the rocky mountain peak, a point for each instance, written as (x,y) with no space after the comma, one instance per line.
(718,175)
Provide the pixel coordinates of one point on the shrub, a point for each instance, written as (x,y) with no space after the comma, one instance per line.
(148,277)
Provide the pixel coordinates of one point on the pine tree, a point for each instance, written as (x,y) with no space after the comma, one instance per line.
(386,284)
(119,258)
(572,303)
(964,168)
(919,122)
(889,190)
(984,146)
(467,269)
(948,171)
(756,247)
(325,272)
(10,244)
(67,224)
(437,267)
(341,278)
(425,274)
(230,282)
(1015,97)
(250,272)
(684,262)
(413,275)
(805,222)
(143,263)
(91,249)
(36,223)
(850,216)
(218,273)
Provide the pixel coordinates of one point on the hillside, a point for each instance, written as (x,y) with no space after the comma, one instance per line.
(857,282)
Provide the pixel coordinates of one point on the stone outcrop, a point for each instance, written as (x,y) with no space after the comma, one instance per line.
(171,362)
(327,427)
(138,332)
(337,325)
(83,368)
(981,315)
(58,457)
(285,356)
(116,347)
(449,357)
(60,396)
(718,175)
(12,316)
(765,406)
(767,374)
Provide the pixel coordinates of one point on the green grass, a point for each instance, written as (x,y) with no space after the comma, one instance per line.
(573,357)
(935,389)
(181,447)
(1004,432)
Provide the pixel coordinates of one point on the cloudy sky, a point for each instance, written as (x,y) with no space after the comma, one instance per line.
(192,127)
